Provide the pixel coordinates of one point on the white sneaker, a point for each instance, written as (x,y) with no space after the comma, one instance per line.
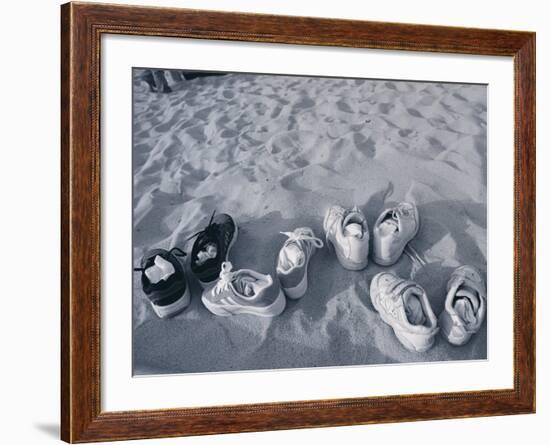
(393,229)
(465,305)
(244,292)
(404,305)
(293,261)
(348,233)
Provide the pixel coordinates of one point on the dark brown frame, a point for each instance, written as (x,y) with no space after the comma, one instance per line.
(81,28)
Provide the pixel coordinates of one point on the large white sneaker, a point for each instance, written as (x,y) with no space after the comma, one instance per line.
(393,229)
(244,292)
(465,305)
(293,260)
(347,231)
(404,305)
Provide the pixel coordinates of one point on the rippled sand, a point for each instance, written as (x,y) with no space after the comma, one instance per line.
(275,152)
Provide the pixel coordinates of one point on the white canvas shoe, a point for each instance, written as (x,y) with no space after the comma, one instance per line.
(393,229)
(244,292)
(465,305)
(347,231)
(293,261)
(404,305)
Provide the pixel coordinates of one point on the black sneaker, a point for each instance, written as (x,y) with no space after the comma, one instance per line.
(163,281)
(212,246)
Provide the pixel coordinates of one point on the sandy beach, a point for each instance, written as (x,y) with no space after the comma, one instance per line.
(275,152)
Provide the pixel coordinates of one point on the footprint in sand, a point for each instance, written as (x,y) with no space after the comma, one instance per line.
(364,144)
(275,113)
(435,144)
(260,108)
(197,133)
(228,133)
(222,121)
(343,105)
(385,108)
(414,112)
(438,122)
(204,113)
(459,97)
(427,101)
(290,143)
(303,103)
(404,132)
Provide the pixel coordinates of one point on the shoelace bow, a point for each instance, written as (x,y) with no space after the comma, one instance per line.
(298,236)
(226,277)
(176,251)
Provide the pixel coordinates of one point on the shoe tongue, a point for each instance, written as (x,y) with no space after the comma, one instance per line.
(388,226)
(160,270)
(414,310)
(247,285)
(292,255)
(466,304)
(353,229)
(208,252)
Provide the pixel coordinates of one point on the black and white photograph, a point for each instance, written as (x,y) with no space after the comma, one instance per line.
(284,221)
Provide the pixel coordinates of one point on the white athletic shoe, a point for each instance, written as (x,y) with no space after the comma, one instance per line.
(393,229)
(347,231)
(293,261)
(244,292)
(465,305)
(404,305)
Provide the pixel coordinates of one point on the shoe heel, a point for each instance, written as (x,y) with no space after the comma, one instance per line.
(278,306)
(175,308)
(350,265)
(297,292)
(233,241)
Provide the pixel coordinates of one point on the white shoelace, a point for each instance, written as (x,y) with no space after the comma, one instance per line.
(306,235)
(293,249)
(226,277)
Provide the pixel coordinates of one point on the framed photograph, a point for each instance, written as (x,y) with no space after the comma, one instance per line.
(275,222)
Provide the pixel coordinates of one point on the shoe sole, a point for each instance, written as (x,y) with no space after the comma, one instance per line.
(176,307)
(347,263)
(274,309)
(206,285)
(392,261)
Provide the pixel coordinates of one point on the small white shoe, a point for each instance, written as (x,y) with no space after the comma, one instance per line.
(347,231)
(465,305)
(393,229)
(293,261)
(404,305)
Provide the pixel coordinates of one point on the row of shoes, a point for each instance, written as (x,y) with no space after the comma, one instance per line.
(402,304)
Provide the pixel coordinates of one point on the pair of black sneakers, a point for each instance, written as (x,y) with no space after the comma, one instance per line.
(162,274)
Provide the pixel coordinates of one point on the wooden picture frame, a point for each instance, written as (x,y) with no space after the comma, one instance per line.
(82,26)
